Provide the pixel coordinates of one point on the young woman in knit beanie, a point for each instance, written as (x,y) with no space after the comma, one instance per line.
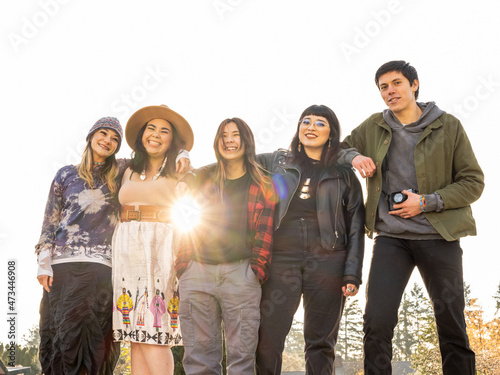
(74,259)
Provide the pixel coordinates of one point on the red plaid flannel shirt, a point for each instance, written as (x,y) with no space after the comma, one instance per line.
(260,222)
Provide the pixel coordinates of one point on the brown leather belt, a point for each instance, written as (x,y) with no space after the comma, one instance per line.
(145,213)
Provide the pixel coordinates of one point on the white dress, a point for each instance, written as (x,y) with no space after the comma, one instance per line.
(144,282)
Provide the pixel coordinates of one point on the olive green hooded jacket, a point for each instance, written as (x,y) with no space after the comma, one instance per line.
(445,164)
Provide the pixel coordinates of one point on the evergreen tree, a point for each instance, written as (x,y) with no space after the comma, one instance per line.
(403,333)
(350,339)
(27,355)
(33,337)
(467,294)
(474,318)
(295,339)
(420,308)
(426,358)
(293,355)
(484,339)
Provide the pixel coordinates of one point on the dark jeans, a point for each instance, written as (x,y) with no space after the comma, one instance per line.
(301,267)
(440,265)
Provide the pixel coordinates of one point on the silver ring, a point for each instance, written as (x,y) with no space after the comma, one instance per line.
(350,290)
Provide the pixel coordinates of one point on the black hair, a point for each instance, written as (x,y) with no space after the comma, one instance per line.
(402,67)
(330,152)
(140,158)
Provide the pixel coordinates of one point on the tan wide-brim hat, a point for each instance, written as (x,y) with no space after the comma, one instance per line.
(142,116)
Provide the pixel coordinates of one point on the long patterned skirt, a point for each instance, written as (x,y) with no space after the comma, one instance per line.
(144,284)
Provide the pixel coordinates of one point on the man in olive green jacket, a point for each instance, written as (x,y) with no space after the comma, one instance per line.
(422,176)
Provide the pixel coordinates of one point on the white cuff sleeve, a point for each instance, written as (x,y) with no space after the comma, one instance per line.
(44,264)
(182,154)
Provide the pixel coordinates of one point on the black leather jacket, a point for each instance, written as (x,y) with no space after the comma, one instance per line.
(339,204)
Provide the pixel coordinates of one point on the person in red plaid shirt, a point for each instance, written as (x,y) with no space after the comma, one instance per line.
(222,264)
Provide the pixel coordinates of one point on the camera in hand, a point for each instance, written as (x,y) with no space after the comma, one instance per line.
(398,197)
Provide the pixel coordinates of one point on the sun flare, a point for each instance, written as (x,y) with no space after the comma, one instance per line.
(186,214)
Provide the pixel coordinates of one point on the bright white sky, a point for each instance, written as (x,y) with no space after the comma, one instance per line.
(65,63)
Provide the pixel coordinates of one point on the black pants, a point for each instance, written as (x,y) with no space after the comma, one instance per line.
(301,267)
(76,321)
(440,265)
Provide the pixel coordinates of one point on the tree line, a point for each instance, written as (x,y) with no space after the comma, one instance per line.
(415,339)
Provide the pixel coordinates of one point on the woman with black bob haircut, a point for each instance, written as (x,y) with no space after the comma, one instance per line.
(329,154)
(318,243)
(222,266)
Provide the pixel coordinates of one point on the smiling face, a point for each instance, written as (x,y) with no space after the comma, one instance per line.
(103,143)
(314,132)
(157,137)
(230,145)
(397,92)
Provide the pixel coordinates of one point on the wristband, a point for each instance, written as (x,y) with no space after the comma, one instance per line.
(422,203)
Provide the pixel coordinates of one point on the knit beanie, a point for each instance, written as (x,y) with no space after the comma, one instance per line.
(108,123)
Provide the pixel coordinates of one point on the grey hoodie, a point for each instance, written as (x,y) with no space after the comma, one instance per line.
(399,173)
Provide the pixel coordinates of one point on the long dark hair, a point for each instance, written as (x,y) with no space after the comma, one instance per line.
(330,153)
(250,162)
(140,157)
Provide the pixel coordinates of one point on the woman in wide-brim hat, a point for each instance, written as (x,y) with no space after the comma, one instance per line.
(74,259)
(144,279)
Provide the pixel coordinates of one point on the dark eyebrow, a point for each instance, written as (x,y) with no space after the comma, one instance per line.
(394,80)
(161,128)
